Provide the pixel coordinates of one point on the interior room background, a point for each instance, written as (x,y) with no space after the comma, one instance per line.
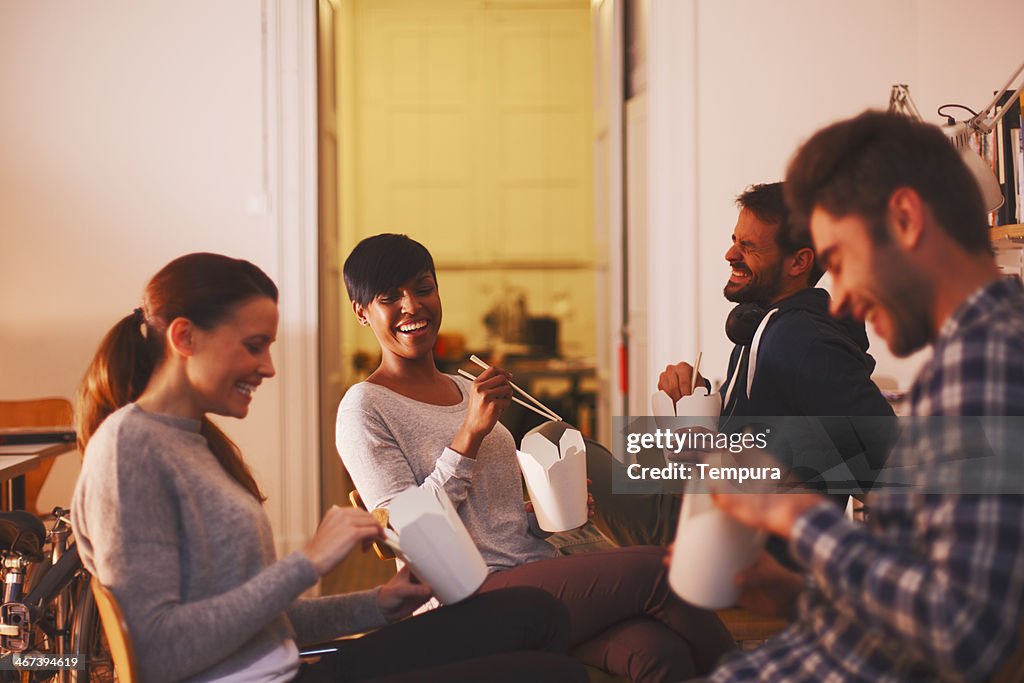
(135,132)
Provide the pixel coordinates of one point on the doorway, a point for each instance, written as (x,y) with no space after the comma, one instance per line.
(467,125)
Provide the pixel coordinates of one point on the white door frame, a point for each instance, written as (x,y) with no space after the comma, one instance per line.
(289,106)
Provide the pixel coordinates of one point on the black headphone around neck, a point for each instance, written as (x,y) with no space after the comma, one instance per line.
(742,322)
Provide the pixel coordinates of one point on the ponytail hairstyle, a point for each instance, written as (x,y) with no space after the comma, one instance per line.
(204,288)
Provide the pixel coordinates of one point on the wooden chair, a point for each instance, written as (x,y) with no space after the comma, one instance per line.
(39,412)
(116,631)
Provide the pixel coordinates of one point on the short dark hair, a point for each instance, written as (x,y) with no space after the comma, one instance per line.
(854,166)
(768,203)
(380,263)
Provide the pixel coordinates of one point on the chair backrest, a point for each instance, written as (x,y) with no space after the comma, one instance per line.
(36,412)
(116,631)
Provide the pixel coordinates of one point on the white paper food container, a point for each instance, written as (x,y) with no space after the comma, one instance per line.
(435,542)
(699,404)
(662,405)
(703,409)
(556,476)
(710,549)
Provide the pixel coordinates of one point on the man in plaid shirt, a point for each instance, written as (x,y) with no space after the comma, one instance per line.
(932,588)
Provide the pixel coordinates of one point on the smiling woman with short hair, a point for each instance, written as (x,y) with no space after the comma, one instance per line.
(409,424)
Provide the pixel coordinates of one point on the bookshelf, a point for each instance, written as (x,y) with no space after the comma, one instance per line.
(1011,233)
(1008,243)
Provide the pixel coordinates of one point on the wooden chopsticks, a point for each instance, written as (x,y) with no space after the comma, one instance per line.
(537,406)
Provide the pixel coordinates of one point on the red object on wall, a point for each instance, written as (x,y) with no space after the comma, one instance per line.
(623,368)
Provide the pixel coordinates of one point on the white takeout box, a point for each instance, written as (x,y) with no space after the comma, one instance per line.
(699,404)
(704,408)
(435,542)
(710,548)
(554,466)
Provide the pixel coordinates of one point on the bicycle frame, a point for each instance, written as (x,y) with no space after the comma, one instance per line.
(57,584)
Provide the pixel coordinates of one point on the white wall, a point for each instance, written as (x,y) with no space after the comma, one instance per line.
(133,133)
(767,75)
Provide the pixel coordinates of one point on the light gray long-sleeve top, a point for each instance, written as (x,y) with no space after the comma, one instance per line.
(389,442)
(189,554)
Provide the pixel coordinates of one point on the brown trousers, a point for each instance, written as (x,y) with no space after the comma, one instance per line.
(623,617)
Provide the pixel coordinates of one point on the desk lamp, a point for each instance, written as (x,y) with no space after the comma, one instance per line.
(961,132)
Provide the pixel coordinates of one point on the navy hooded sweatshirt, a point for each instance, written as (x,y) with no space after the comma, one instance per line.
(812,364)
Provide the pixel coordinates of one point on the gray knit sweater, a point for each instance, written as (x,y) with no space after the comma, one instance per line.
(189,554)
(389,442)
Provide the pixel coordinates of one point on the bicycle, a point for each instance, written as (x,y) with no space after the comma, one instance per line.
(53,629)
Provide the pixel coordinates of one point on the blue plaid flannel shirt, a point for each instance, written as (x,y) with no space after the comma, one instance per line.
(932,588)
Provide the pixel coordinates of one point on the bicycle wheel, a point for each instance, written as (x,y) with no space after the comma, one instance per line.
(87,639)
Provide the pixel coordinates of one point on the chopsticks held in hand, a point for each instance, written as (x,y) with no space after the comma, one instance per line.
(540,408)
(551,414)
(693,378)
(545,415)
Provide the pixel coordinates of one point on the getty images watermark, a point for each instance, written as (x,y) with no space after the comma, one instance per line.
(831,454)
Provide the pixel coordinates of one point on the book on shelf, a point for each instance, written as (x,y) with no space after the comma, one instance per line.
(1018,171)
(1006,147)
(1020,159)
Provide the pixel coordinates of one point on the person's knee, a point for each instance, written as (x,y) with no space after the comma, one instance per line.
(646,563)
(642,649)
(543,618)
(627,518)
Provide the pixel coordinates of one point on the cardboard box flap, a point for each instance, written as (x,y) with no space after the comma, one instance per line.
(436,543)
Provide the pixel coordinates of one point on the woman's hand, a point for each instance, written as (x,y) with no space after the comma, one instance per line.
(399,597)
(489,396)
(339,532)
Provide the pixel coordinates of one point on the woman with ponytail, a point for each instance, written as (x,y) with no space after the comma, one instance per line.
(167,515)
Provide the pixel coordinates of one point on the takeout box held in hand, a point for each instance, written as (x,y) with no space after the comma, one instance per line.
(435,542)
(710,547)
(704,407)
(701,410)
(554,464)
